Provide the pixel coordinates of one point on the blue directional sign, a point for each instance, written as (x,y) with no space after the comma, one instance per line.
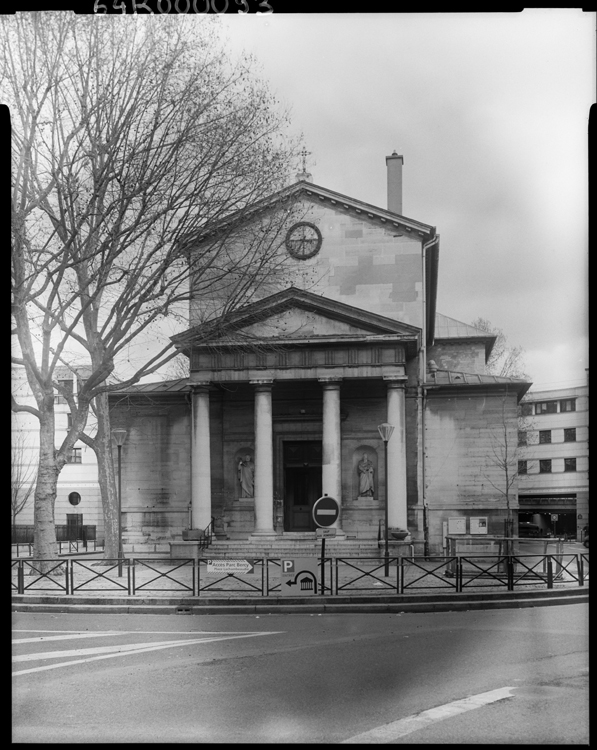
(326,511)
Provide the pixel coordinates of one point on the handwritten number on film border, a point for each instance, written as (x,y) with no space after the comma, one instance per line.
(142,5)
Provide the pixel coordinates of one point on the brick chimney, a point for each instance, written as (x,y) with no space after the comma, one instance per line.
(394,164)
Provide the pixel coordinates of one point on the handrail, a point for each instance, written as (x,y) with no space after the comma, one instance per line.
(208,534)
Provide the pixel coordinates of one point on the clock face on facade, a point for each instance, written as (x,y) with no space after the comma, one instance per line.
(303,240)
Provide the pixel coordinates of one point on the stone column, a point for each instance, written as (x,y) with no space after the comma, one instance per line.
(264,461)
(200,458)
(396,489)
(331,469)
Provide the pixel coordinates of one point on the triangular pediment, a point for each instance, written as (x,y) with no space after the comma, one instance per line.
(294,316)
(302,190)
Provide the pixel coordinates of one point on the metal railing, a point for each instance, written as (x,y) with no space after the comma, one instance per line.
(25,549)
(24,533)
(336,576)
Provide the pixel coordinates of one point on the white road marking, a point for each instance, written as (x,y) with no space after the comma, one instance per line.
(44,638)
(124,650)
(76,634)
(40,655)
(396,729)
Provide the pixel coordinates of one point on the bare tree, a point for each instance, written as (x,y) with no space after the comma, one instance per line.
(505,360)
(22,475)
(133,138)
(505,455)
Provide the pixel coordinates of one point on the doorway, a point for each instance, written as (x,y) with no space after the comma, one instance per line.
(302,483)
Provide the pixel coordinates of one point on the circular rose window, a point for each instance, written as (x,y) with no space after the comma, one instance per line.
(303,240)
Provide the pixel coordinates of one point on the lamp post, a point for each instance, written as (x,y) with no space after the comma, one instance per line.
(119,437)
(385,431)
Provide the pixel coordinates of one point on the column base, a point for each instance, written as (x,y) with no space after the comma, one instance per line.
(259,536)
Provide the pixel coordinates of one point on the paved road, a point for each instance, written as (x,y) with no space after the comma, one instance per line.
(506,676)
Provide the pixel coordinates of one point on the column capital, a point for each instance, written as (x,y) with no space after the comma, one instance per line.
(200,387)
(262,385)
(330,381)
(395,381)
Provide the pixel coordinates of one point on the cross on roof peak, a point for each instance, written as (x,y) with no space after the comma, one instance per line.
(304,153)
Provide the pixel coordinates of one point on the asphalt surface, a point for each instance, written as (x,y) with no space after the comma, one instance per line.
(511,676)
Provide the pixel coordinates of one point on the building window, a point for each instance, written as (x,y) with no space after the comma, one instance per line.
(569,464)
(522,467)
(546,407)
(65,385)
(522,437)
(74,498)
(570,435)
(568,404)
(74,456)
(545,466)
(544,436)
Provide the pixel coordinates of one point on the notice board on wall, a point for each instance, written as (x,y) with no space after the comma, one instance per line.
(478,524)
(456,525)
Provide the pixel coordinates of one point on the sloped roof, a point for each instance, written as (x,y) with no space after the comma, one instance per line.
(450,328)
(181,385)
(322,194)
(455,378)
(447,328)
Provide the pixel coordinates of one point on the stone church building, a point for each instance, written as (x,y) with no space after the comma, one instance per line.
(285,397)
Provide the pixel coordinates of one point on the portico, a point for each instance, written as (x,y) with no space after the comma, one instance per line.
(328,389)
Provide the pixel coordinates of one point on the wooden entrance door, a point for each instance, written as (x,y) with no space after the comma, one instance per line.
(302,483)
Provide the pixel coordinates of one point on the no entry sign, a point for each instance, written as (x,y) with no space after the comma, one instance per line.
(326,511)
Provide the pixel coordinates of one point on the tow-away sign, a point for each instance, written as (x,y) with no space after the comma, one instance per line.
(230,566)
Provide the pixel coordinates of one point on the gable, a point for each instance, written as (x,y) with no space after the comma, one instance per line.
(295,315)
(297,323)
(368,257)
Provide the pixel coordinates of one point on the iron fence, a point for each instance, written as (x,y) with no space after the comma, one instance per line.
(84,573)
(23,533)
(263,576)
(25,549)
(369,578)
(429,573)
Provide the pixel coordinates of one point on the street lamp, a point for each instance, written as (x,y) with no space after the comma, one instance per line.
(119,437)
(385,431)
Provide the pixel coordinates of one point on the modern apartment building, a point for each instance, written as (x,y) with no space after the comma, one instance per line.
(553,467)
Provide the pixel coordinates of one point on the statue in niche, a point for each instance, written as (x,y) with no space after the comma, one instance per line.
(246,476)
(366,476)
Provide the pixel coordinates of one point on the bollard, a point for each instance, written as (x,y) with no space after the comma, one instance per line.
(20,578)
(510,572)
(549,572)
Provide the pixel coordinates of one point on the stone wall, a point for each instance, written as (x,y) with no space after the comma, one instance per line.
(362,263)
(458,356)
(156,468)
(463,431)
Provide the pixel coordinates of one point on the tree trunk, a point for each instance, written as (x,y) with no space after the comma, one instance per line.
(106,476)
(44,544)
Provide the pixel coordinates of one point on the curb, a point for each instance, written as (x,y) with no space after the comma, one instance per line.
(286,605)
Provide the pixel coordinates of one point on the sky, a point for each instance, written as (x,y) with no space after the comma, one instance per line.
(491,112)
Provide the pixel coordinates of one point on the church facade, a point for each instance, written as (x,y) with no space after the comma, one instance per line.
(346,382)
